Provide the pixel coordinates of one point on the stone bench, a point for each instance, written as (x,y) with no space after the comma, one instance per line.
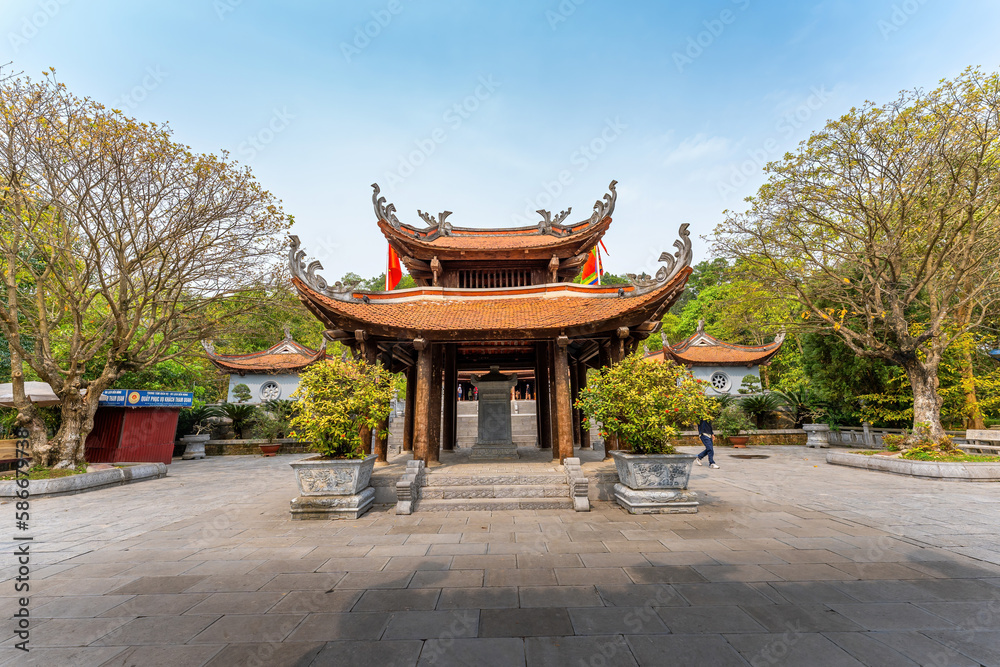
(983,441)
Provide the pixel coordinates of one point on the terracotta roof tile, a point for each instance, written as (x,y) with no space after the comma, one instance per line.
(284,357)
(702,349)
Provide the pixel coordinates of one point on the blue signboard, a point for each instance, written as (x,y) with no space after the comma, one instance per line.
(140,398)
(994,353)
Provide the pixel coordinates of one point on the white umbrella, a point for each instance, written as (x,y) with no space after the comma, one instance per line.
(39,393)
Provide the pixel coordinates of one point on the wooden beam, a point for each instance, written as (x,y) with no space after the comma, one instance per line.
(422,415)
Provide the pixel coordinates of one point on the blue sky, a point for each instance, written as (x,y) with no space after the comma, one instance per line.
(493,110)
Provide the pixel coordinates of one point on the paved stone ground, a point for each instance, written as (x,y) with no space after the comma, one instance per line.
(789,562)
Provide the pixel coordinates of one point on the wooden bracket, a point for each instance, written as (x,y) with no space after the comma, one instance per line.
(420,344)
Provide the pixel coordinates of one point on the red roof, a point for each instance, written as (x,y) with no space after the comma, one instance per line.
(701,349)
(284,357)
(514,313)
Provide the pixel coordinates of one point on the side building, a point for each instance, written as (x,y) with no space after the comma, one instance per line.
(270,374)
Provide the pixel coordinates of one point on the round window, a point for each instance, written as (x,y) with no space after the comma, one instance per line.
(270,391)
(720,381)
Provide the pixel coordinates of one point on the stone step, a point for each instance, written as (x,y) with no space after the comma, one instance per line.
(509,492)
(432,480)
(492,504)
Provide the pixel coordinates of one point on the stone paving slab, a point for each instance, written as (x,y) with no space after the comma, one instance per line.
(789,561)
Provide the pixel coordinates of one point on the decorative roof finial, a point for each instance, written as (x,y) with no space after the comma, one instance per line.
(384,211)
(288,331)
(674,264)
(701,326)
(307,273)
(605,207)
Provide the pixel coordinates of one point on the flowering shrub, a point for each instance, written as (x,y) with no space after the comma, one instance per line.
(919,445)
(335,400)
(644,403)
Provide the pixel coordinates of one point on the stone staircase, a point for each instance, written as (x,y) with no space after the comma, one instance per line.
(492,487)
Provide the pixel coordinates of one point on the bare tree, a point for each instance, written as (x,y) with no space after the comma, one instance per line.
(884,227)
(116,243)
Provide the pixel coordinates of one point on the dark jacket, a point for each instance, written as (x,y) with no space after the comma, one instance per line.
(705,428)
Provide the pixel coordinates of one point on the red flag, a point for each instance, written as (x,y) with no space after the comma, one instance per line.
(394,272)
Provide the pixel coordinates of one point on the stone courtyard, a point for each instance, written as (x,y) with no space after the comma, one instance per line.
(789,561)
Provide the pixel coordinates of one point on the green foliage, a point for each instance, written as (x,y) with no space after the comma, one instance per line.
(241,393)
(194,420)
(335,400)
(750,385)
(921,445)
(760,406)
(241,414)
(8,421)
(803,403)
(644,403)
(733,420)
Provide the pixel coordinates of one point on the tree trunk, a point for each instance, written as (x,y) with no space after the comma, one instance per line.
(77,422)
(926,400)
(28,416)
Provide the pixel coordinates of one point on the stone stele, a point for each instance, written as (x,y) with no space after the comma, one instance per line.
(494,440)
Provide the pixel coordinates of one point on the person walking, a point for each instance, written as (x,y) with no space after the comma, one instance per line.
(707,436)
(460,391)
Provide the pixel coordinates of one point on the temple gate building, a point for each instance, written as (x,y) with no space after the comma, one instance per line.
(269,374)
(493,297)
(721,365)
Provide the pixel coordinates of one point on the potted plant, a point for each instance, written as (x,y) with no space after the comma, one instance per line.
(644,404)
(266,426)
(335,400)
(194,420)
(733,424)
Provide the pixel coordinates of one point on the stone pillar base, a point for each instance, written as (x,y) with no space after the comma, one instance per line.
(493,452)
(652,501)
(333,507)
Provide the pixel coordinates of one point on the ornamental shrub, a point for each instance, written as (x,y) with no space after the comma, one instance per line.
(644,403)
(335,400)
(733,420)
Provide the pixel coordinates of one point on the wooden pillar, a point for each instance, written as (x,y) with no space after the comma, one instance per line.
(422,414)
(574,394)
(409,408)
(433,454)
(611,440)
(542,416)
(449,428)
(581,384)
(553,408)
(563,395)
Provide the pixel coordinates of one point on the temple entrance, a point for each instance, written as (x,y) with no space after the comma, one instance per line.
(494,298)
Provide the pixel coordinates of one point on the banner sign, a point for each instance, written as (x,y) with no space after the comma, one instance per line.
(140,398)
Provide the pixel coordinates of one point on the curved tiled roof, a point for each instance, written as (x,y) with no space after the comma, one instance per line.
(284,357)
(496,239)
(498,313)
(702,349)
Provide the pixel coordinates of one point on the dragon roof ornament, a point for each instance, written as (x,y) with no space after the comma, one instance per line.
(603,208)
(307,273)
(383,210)
(674,263)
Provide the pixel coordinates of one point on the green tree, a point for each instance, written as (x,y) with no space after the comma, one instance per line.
(884,228)
(115,244)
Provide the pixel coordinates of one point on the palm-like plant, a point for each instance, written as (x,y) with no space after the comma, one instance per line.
(240,414)
(760,406)
(803,403)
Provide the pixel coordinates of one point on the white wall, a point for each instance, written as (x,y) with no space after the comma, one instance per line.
(735,374)
(287,384)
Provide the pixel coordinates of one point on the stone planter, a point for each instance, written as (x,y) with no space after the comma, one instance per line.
(333,488)
(817,435)
(654,483)
(195,445)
